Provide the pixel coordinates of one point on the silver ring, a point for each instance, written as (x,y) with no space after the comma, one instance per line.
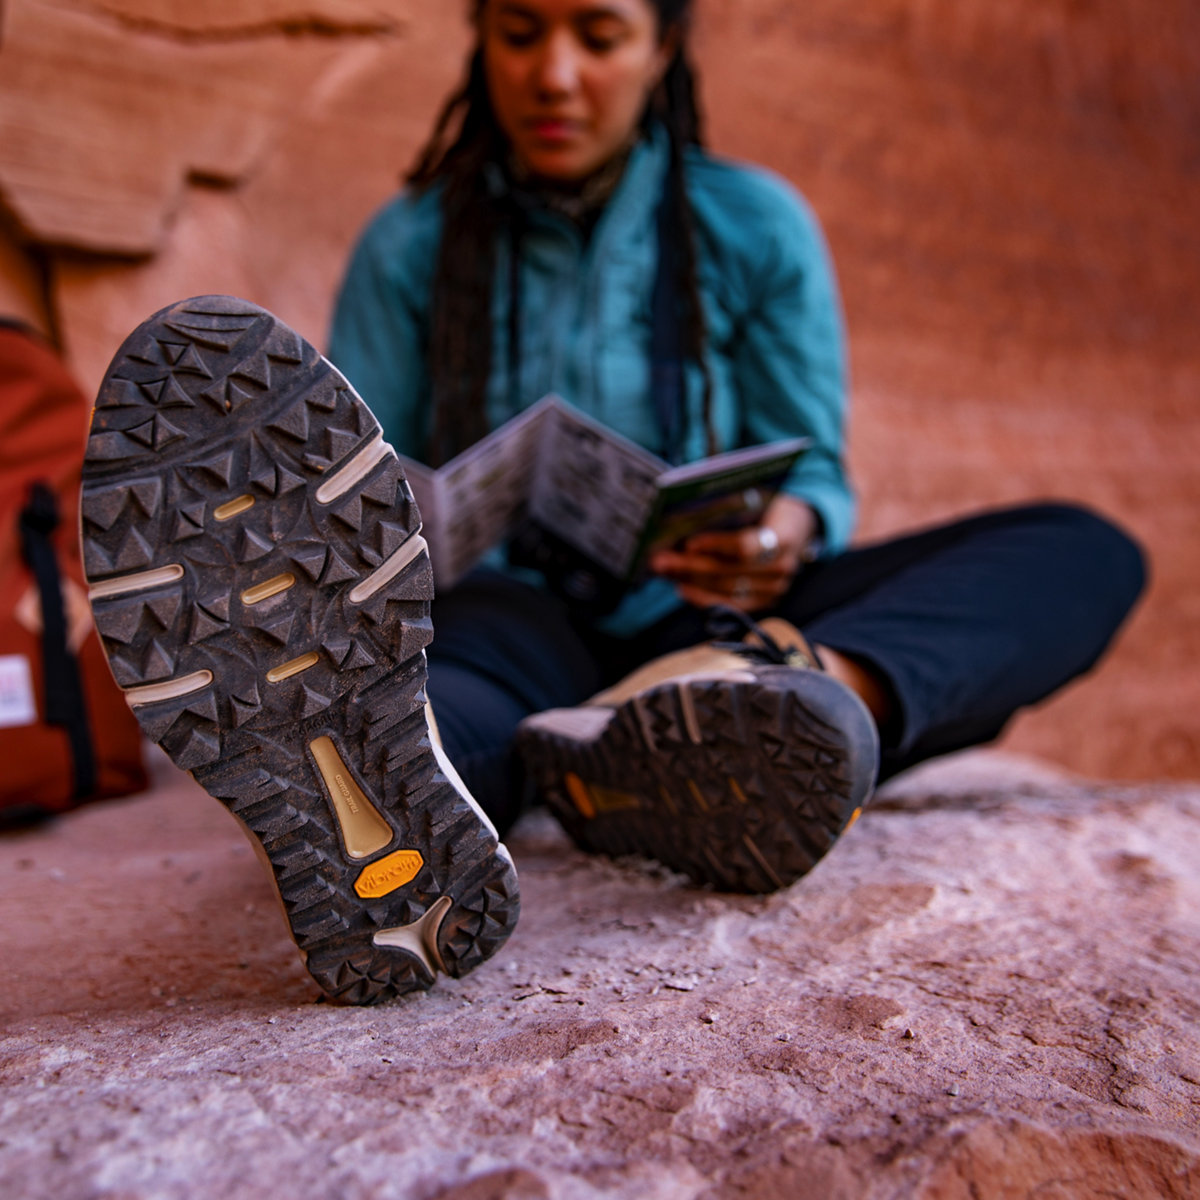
(768,544)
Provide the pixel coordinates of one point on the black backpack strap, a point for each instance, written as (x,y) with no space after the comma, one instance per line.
(65,703)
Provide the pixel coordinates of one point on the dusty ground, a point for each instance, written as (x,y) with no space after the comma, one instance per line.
(989,989)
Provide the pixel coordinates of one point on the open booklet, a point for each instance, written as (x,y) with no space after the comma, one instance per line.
(604,496)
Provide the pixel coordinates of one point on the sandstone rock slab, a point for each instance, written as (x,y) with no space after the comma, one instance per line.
(21,291)
(988,989)
(103,124)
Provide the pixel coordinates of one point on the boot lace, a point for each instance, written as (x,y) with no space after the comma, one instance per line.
(731,629)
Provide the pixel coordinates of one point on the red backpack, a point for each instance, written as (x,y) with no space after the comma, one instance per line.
(66,733)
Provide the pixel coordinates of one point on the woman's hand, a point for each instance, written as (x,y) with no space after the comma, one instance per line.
(749,568)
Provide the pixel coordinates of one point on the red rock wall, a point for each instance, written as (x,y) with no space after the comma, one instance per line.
(1011,193)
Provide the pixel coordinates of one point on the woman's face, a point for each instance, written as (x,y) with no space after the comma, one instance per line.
(569,79)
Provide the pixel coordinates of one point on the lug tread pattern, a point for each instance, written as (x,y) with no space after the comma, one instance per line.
(260,414)
(782,765)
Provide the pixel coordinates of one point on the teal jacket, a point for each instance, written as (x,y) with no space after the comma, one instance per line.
(776,352)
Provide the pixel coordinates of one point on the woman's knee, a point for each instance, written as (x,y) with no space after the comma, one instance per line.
(1098,548)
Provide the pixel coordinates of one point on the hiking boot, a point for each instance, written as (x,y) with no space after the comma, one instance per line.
(262,592)
(738,763)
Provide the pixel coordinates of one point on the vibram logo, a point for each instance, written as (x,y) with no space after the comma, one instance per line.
(591,799)
(853,817)
(580,794)
(385,876)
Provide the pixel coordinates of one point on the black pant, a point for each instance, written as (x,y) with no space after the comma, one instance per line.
(963,623)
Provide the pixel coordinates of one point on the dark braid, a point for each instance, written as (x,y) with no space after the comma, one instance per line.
(460,360)
(474,222)
(681,118)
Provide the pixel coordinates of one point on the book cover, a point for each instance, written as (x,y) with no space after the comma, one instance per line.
(608,499)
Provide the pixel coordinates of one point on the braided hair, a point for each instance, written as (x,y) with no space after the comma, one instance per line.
(464,152)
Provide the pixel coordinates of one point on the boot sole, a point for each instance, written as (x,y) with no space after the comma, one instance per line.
(262,591)
(743,784)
